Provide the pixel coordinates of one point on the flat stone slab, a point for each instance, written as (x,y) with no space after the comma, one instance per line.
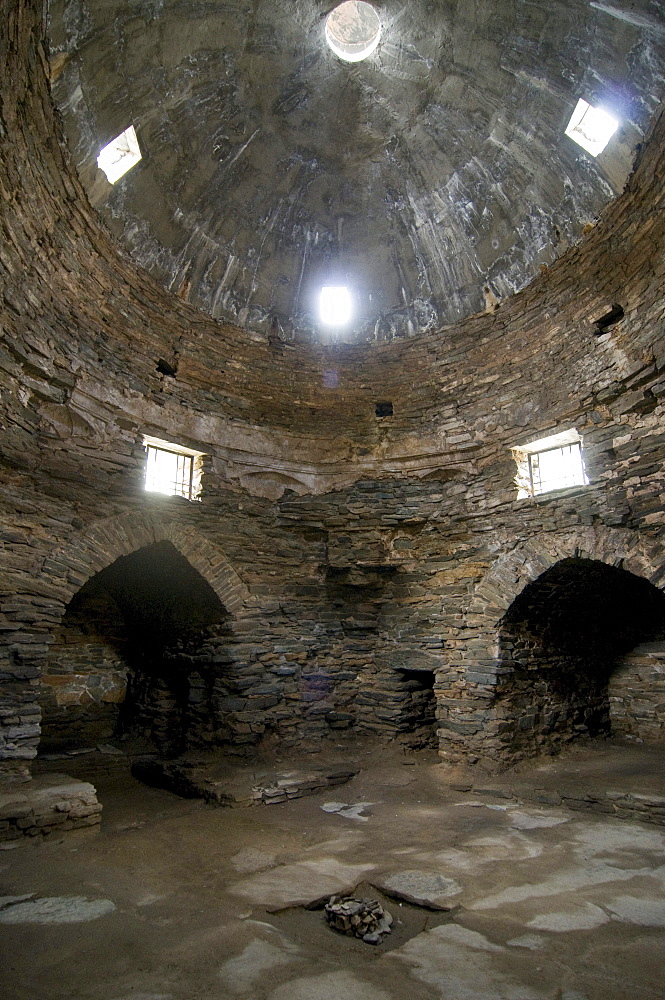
(354,810)
(304,884)
(331,984)
(423,888)
(55,910)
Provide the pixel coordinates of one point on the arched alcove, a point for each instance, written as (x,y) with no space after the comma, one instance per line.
(139,650)
(560,642)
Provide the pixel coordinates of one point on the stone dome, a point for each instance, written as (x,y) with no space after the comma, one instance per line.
(433,179)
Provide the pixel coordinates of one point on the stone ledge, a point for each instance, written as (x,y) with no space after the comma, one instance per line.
(49,804)
(623,805)
(233,786)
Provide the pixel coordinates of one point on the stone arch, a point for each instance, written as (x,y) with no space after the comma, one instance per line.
(77,696)
(469,727)
(561,643)
(95,549)
(514,570)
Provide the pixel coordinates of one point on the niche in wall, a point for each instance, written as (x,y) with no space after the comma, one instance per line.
(138,652)
(418,710)
(85,681)
(561,641)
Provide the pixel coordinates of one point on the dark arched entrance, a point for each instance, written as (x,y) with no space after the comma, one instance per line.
(136,652)
(560,641)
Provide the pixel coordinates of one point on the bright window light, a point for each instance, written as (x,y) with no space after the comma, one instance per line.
(121,154)
(556,469)
(353,30)
(335,305)
(172,470)
(591,128)
(552,463)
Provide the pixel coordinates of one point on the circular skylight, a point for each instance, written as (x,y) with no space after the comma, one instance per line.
(353,30)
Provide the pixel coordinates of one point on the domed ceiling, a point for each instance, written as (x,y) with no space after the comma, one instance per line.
(432,178)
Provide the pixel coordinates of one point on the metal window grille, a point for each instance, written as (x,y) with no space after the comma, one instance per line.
(169,472)
(556,468)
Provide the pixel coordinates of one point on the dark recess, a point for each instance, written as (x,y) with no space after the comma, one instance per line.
(164,368)
(610,319)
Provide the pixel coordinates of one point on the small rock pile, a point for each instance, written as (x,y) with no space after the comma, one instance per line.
(363,918)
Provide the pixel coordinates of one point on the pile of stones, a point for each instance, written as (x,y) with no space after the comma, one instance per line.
(363,918)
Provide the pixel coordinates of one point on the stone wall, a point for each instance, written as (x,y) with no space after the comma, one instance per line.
(80,694)
(637,694)
(345,546)
(85,680)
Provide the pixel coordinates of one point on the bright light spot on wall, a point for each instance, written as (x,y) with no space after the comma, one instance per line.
(335,305)
(353,30)
(591,128)
(120,155)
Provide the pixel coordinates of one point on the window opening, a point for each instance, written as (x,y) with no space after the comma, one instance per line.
(591,128)
(120,155)
(556,468)
(172,470)
(353,30)
(552,463)
(335,305)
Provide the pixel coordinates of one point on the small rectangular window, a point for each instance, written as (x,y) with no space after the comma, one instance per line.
(172,470)
(119,155)
(591,128)
(556,469)
(552,463)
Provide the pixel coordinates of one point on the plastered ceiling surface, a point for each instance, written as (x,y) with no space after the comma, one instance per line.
(432,178)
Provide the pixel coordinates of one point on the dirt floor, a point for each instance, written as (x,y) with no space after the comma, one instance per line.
(178,900)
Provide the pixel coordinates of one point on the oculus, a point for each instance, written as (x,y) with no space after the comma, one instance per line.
(353,30)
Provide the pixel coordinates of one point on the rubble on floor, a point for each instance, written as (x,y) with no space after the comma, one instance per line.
(363,918)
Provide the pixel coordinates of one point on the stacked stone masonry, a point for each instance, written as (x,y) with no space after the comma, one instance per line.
(49,805)
(351,553)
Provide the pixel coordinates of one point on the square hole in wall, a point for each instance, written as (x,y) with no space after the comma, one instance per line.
(171,469)
(550,463)
(119,155)
(591,128)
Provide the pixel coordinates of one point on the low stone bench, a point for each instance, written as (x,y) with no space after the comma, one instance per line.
(48,804)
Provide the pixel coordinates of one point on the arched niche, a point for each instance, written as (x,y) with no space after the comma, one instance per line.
(472,723)
(561,641)
(138,652)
